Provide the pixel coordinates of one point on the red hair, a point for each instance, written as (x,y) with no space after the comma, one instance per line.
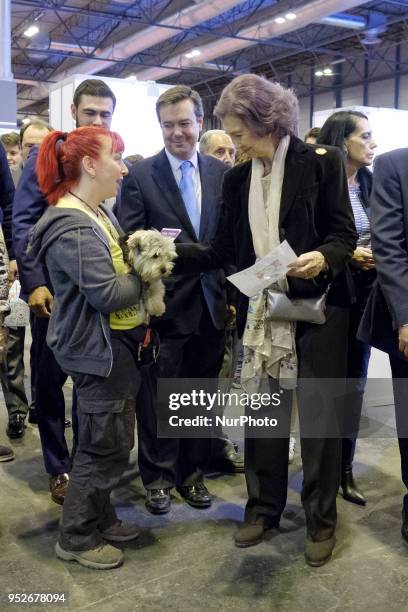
(60,155)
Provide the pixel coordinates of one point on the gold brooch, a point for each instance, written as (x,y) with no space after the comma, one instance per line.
(321,151)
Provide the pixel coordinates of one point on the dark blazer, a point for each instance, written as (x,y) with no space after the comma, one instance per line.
(363,280)
(387,307)
(6,201)
(29,205)
(365,180)
(151,199)
(315,214)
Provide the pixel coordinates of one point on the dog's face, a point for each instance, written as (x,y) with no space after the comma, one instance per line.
(151,254)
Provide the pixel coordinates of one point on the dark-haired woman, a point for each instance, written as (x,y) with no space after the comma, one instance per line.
(351,132)
(96,307)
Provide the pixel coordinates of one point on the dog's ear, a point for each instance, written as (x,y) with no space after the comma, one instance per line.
(133,241)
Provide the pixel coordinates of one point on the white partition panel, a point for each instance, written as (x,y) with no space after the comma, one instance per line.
(389,125)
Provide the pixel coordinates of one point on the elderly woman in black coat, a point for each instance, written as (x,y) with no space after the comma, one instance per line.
(295,192)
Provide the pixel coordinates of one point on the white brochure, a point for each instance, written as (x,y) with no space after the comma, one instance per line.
(265,271)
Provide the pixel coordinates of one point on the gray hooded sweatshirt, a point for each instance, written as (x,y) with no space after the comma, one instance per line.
(86,288)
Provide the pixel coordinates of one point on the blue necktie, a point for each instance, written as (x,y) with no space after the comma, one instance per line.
(188,193)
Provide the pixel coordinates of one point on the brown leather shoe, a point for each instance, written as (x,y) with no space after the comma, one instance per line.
(319,553)
(250,534)
(58,487)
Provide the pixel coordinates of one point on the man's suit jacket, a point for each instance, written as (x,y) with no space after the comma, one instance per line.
(6,201)
(387,307)
(315,214)
(29,205)
(151,199)
(389,229)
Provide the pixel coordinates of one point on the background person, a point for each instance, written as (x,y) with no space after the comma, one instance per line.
(6,453)
(218,144)
(312,135)
(11,144)
(32,134)
(385,320)
(12,367)
(350,131)
(133,159)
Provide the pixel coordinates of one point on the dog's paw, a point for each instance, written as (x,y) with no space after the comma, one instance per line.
(155,308)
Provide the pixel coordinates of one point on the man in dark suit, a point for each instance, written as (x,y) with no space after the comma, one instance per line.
(93,104)
(389,232)
(181,189)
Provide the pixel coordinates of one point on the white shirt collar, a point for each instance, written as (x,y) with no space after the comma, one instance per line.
(175,162)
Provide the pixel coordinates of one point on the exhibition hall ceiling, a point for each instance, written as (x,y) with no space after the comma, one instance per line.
(310,45)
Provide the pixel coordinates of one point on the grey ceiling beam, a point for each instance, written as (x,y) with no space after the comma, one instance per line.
(201,11)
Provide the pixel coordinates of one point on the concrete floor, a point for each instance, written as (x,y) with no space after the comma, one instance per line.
(186,560)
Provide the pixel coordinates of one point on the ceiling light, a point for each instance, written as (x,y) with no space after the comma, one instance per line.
(193,53)
(290,16)
(327,71)
(31,31)
(280,20)
(319,73)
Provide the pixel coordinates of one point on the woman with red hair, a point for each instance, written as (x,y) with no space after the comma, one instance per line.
(96,304)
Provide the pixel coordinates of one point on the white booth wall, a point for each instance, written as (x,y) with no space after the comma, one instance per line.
(389,125)
(134,117)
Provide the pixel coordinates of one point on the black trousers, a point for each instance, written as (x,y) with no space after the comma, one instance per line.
(358,358)
(12,373)
(154,458)
(154,465)
(49,400)
(322,351)
(182,461)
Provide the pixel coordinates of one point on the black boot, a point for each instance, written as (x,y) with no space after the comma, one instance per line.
(351,492)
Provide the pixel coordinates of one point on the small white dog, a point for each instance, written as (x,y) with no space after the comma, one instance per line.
(152,256)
